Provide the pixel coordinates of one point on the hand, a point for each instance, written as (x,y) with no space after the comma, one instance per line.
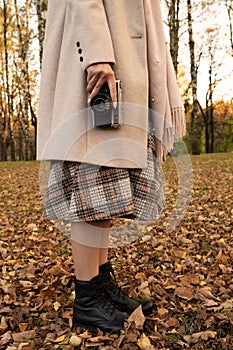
(97,75)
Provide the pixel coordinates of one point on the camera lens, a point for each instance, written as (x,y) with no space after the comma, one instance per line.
(101,105)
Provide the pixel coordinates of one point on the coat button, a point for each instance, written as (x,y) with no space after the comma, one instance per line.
(158,61)
(153,99)
(81,59)
(80,51)
(78,44)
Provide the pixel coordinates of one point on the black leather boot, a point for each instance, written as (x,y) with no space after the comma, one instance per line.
(93,308)
(120,299)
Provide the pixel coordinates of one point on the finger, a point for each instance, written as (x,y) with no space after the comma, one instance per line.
(94,91)
(92,82)
(112,87)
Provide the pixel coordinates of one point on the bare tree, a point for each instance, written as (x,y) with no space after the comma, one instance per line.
(8,96)
(174,26)
(41,10)
(194,132)
(229,7)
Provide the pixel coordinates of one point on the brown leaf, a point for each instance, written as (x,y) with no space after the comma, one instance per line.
(99,338)
(22,336)
(5,338)
(144,291)
(184,293)
(60,339)
(162,312)
(3,325)
(137,317)
(23,327)
(189,279)
(195,337)
(204,294)
(58,270)
(172,322)
(75,340)
(144,343)
(27,284)
(26,346)
(46,292)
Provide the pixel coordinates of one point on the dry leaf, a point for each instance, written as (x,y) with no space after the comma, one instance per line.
(3,325)
(58,270)
(144,343)
(75,340)
(137,317)
(204,294)
(26,346)
(195,337)
(60,339)
(46,292)
(184,293)
(162,312)
(37,262)
(5,338)
(27,284)
(22,336)
(56,305)
(23,327)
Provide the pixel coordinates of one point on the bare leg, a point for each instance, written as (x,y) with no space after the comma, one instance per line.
(89,247)
(103,256)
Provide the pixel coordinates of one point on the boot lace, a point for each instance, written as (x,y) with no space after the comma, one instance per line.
(110,283)
(103,301)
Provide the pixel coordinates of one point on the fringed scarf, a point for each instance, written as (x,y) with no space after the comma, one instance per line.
(167,112)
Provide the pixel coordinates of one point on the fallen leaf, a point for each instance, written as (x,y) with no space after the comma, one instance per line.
(184,293)
(56,305)
(195,337)
(3,325)
(23,327)
(144,343)
(60,339)
(22,336)
(205,295)
(26,346)
(75,340)
(27,284)
(58,270)
(162,312)
(137,317)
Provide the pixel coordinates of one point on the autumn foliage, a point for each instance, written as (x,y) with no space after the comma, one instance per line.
(187,273)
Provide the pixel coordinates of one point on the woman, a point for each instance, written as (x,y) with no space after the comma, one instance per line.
(98,174)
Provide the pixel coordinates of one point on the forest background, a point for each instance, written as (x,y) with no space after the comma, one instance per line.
(201,44)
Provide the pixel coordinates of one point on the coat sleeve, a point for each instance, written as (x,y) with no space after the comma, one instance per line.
(94,43)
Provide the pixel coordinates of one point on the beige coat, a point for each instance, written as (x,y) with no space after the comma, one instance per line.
(78,34)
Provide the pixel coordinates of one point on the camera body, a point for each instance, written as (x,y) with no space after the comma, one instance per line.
(104,115)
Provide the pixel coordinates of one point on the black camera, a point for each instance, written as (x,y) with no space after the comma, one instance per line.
(104,114)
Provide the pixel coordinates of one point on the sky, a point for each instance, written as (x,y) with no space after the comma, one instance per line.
(203,22)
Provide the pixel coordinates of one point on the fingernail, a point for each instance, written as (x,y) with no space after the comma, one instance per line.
(89,100)
(114,105)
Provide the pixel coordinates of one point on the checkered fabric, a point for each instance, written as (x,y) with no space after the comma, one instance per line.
(86,192)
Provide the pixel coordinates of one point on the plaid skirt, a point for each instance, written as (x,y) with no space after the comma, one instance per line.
(79,192)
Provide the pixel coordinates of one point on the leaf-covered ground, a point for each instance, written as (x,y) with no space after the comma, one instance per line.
(188,273)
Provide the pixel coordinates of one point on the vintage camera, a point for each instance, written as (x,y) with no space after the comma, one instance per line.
(104,115)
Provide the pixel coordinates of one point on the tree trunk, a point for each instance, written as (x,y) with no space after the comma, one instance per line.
(229,7)
(174,26)
(8,97)
(24,40)
(194,132)
(41,9)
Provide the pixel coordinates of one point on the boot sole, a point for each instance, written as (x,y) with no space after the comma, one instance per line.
(90,328)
